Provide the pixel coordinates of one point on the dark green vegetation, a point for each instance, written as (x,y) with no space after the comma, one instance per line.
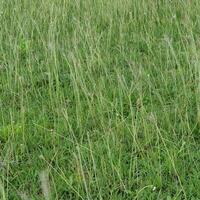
(103,95)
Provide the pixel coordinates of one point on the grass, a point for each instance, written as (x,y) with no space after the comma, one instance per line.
(99,99)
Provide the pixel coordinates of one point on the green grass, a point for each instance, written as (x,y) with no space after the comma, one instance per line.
(99,99)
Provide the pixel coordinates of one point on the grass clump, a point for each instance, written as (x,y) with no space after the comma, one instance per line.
(99,99)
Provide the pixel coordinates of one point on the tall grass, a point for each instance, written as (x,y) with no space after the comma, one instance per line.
(104,94)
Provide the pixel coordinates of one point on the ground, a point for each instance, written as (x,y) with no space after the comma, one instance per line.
(99,99)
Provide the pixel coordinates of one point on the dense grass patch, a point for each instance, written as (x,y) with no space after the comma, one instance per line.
(99,99)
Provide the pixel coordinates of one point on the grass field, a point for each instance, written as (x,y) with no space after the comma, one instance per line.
(99,99)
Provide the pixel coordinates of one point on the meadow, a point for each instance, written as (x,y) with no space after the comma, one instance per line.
(99,100)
